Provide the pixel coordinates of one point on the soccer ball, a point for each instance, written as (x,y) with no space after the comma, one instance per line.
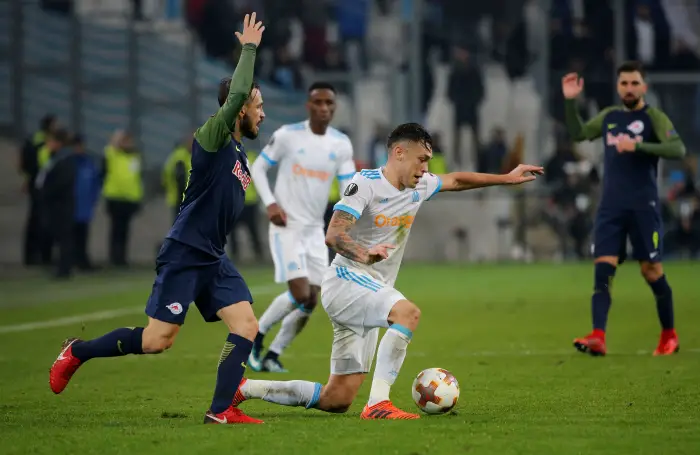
(435,391)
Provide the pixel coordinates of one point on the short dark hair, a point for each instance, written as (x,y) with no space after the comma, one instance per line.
(630,67)
(320,85)
(225,87)
(46,121)
(412,132)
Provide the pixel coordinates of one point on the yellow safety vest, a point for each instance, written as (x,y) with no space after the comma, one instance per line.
(39,138)
(251,194)
(179,155)
(123,179)
(334,195)
(43,156)
(437,165)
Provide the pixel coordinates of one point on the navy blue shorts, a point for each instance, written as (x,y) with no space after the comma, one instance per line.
(642,227)
(185,275)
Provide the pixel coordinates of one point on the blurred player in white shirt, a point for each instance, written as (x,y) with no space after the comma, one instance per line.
(309,156)
(369,231)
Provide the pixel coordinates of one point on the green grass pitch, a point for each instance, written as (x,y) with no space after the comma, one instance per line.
(505,331)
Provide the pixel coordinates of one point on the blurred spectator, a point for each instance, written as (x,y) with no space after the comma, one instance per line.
(647,35)
(683,239)
(88,183)
(378,154)
(29,167)
(352,18)
(56,186)
(286,73)
(492,155)
(176,173)
(466,91)
(122,191)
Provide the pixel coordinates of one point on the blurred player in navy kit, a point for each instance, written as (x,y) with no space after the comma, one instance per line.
(635,136)
(192,265)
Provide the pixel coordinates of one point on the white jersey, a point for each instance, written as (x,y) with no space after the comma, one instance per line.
(384,215)
(308,163)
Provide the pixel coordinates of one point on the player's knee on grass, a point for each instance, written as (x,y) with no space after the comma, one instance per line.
(240,319)
(158,336)
(405,313)
(651,271)
(337,396)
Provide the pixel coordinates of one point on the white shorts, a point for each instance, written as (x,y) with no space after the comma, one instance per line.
(298,253)
(358,305)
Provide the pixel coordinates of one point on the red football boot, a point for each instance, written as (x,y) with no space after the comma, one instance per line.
(593,343)
(64,367)
(385,410)
(668,343)
(230,416)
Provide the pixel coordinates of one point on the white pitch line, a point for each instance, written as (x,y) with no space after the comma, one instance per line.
(97,316)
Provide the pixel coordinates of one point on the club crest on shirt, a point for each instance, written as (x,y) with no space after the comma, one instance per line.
(241,175)
(636,127)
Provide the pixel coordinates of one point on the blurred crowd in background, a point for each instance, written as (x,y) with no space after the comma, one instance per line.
(310,37)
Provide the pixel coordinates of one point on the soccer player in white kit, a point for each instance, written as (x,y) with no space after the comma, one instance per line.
(309,155)
(369,230)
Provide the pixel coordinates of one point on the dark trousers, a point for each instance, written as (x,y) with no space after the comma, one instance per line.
(32,245)
(120,214)
(58,228)
(248,219)
(81,236)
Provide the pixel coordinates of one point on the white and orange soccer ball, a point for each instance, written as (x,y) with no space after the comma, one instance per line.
(435,391)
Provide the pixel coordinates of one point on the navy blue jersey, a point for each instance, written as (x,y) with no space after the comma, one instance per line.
(629,178)
(213,199)
(219,177)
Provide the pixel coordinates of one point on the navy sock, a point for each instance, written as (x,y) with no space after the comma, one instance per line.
(232,365)
(113,344)
(664,301)
(600,302)
(259,340)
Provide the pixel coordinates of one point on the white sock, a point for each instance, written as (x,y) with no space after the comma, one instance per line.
(286,393)
(390,357)
(292,324)
(278,309)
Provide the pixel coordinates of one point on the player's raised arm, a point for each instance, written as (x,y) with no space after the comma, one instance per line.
(579,130)
(670,145)
(217,129)
(461,181)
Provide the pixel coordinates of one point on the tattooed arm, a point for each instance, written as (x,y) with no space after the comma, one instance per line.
(339,240)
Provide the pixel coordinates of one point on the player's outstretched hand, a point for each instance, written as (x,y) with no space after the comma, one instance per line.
(571,86)
(276,215)
(379,252)
(252,31)
(523,173)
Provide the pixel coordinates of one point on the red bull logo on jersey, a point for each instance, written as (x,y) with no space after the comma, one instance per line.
(298,169)
(241,175)
(403,221)
(613,139)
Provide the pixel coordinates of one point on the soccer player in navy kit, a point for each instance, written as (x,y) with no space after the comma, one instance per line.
(191,265)
(635,136)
